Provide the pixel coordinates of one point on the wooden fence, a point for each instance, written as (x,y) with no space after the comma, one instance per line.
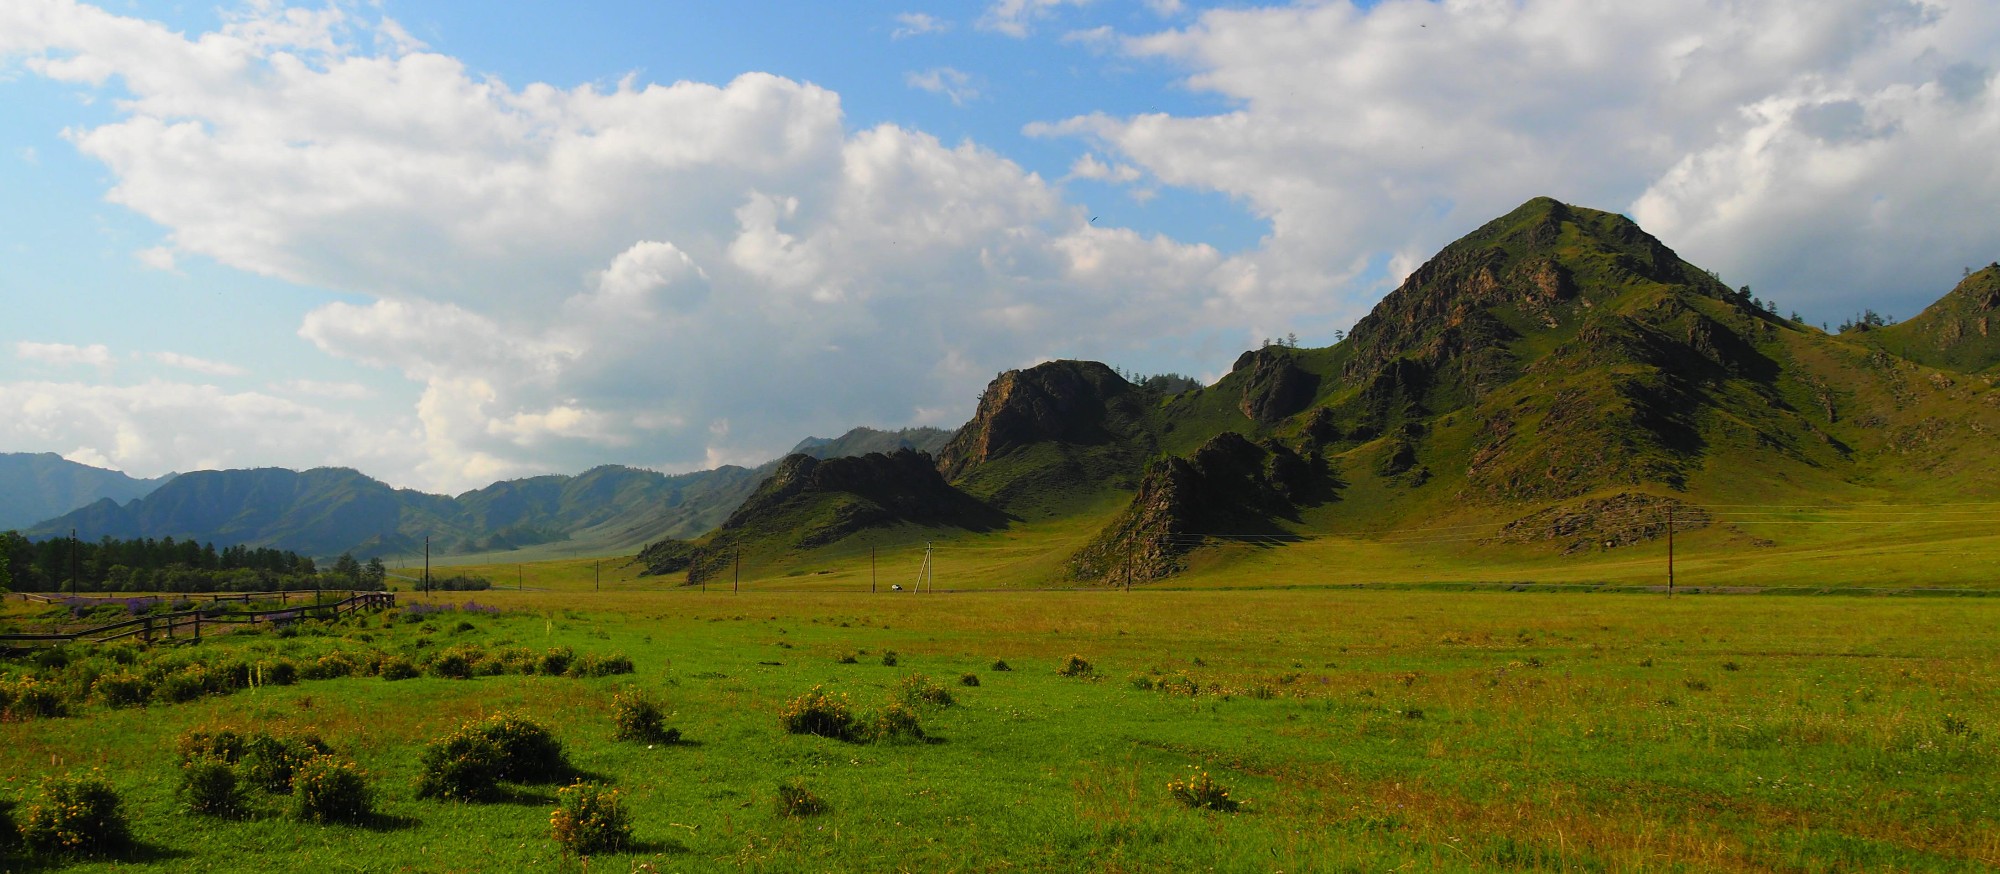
(284,597)
(188,623)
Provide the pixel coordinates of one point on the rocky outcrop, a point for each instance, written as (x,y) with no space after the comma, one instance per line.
(1231,486)
(1275,387)
(1063,401)
(1624,519)
(1961,331)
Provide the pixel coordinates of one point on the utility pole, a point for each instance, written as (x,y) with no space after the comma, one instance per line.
(737,584)
(1670,551)
(1128,566)
(520,579)
(73,563)
(427,564)
(871,569)
(600,575)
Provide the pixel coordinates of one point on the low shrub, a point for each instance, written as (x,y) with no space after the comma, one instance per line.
(326,789)
(638,717)
(280,672)
(37,699)
(793,799)
(594,665)
(469,763)
(917,690)
(848,658)
(1001,666)
(330,666)
(529,753)
(123,689)
(897,723)
(76,816)
(589,818)
(819,713)
(889,658)
(1075,666)
(461,766)
(186,684)
(555,662)
(270,762)
(451,665)
(968,679)
(398,668)
(209,787)
(1201,792)
(224,746)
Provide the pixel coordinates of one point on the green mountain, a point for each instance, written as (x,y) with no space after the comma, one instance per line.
(327,511)
(1961,331)
(861,441)
(1558,379)
(808,503)
(37,486)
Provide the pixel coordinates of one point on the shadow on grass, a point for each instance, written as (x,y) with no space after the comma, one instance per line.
(22,860)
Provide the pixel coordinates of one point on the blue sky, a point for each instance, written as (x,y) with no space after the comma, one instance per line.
(447,244)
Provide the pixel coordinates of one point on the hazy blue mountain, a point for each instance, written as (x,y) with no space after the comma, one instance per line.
(39,485)
(327,511)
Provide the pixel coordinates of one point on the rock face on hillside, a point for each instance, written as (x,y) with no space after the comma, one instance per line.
(1062,401)
(1275,387)
(1230,486)
(1961,331)
(809,502)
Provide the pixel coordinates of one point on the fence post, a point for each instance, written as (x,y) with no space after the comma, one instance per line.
(149,629)
(197,625)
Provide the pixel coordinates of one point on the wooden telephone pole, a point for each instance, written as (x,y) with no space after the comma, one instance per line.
(1670,550)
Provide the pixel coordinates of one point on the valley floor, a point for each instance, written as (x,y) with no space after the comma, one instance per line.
(1364,730)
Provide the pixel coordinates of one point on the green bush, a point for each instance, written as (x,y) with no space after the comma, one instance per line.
(468,764)
(1200,791)
(889,658)
(76,816)
(270,762)
(1075,666)
(123,689)
(398,668)
(186,684)
(37,699)
(452,665)
(529,753)
(225,746)
(1001,666)
(461,766)
(897,723)
(917,690)
(209,787)
(555,662)
(594,665)
(330,666)
(968,679)
(819,713)
(280,672)
(638,717)
(326,789)
(589,818)
(795,800)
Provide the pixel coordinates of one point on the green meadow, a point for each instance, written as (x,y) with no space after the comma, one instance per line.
(1361,729)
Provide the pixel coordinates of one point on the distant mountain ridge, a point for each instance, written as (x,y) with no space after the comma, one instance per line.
(328,511)
(39,485)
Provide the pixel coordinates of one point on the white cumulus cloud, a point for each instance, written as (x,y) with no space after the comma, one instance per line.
(94,355)
(1829,152)
(198,365)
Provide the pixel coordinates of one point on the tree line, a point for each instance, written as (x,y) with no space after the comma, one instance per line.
(169,565)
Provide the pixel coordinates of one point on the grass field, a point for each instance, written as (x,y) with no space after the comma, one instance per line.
(1367,730)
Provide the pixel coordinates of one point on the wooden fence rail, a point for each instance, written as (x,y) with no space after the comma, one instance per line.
(188,623)
(282,597)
